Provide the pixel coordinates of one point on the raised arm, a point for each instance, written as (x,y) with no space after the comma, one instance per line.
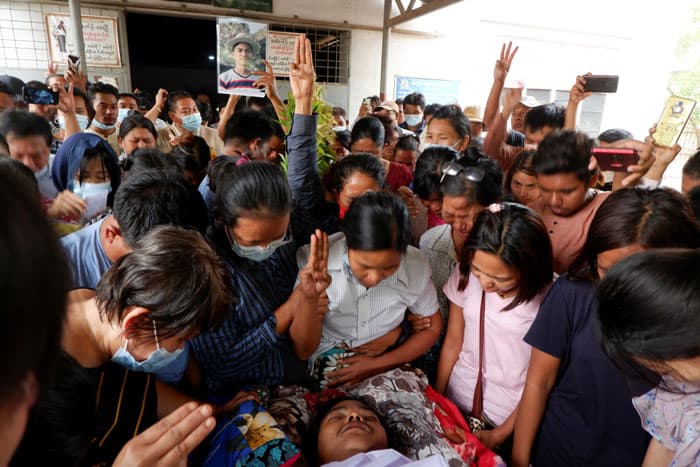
(500,72)
(159,106)
(226,113)
(302,171)
(576,95)
(267,81)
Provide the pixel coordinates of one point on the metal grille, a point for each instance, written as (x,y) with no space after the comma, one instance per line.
(331,49)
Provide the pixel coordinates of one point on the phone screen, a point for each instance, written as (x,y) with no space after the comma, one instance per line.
(673,119)
(39,96)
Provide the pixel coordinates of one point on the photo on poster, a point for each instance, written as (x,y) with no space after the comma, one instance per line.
(241,47)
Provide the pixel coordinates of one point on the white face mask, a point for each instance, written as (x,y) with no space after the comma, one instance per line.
(82,121)
(95,196)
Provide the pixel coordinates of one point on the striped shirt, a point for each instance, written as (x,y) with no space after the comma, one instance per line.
(246,348)
(356,314)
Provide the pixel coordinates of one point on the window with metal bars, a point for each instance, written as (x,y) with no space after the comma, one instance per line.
(331,49)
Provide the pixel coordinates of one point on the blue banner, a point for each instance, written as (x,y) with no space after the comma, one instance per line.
(436,91)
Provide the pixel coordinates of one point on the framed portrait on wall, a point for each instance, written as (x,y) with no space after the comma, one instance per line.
(100,38)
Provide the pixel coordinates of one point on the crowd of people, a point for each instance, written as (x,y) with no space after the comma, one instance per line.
(183,284)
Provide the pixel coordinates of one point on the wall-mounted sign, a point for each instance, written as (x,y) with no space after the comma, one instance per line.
(254,5)
(439,91)
(100,37)
(280,51)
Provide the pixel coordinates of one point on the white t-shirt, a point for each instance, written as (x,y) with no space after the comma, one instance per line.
(387,458)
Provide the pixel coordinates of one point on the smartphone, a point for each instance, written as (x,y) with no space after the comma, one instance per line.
(73,61)
(601,83)
(615,159)
(674,117)
(39,96)
(366,101)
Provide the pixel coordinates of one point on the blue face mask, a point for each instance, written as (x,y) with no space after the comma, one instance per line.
(82,121)
(123,113)
(257,253)
(192,122)
(168,366)
(97,124)
(413,119)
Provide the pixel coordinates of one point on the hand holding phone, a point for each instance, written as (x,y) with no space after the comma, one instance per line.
(615,159)
(39,96)
(674,117)
(601,83)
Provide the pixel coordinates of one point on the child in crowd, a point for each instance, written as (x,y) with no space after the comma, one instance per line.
(504,271)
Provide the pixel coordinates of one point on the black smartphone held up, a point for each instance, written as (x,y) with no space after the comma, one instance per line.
(615,159)
(73,61)
(601,83)
(39,96)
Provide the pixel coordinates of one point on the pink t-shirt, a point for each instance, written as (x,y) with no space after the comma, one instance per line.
(506,355)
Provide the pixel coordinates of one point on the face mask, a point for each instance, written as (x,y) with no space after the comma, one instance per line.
(42,172)
(257,253)
(191,122)
(97,124)
(86,188)
(161,362)
(339,128)
(433,145)
(123,113)
(82,121)
(413,119)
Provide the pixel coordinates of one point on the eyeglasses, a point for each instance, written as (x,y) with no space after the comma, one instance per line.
(471,173)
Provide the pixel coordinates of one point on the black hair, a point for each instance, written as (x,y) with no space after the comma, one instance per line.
(408,143)
(310,438)
(390,129)
(175,274)
(551,115)
(430,109)
(648,309)
(136,120)
(366,164)
(377,221)
(102,88)
(564,151)
(36,85)
(344,137)
(692,167)
(252,189)
(399,101)
(4,148)
(339,111)
(613,135)
(175,96)
(429,166)
(458,121)
(368,127)
(658,218)
(33,283)
(484,192)
(152,198)
(127,95)
(519,238)
(204,110)
(24,124)
(415,98)
(193,157)
(77,92)
(109,165)
(694,201)
(5,89)
(146,159)
(248,125)
(521,163)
